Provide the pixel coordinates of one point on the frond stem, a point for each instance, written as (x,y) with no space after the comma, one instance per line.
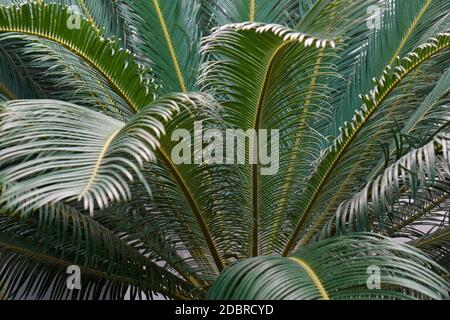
(346,144)
(195,209)
(170,46)
(315,279)
(116,87)
(6,92)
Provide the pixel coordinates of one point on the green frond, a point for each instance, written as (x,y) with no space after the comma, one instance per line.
(62,75)
(415,172)
(436,244)
(332,160)
(338,268)
(105,15)
(68,152)
(58,236)
(189,196)
(168,37)
(102,140)
(113,63)
(271,77)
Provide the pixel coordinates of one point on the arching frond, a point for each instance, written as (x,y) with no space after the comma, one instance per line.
(167,34)
(277,84)
(69,152)
(332,164)
(436,244)
(58,236)
(415,172)
(15,82)
(335,18)
(401,26)
(338,268)
(106,56)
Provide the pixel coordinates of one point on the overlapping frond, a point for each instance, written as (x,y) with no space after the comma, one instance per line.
(115,64)
(338,268)
(167,34)
(419,171)
(278,84)
(40,247)
(53,151)
(332,165)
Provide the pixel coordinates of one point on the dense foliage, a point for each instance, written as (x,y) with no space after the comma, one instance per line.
(92,90)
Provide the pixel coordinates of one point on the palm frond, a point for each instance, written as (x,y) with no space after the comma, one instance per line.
(106,56)
(334,161)
(417,171)
(432,112)
(105,15)
(277,84)
(58,236)
(338,268)
(222,12)
(167,34)
(77,152)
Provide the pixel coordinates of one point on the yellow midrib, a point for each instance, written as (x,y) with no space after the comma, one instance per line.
(252,10)
(4,89)
(410,31)
(289,182)
(88,14)
(344,145)
(422,243)
(79,52)
(313,276)
(98,163)
(169,43)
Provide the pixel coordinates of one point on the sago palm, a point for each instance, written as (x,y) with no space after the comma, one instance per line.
(93,90)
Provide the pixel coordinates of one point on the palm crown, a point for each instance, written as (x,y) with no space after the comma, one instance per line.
(93,91)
